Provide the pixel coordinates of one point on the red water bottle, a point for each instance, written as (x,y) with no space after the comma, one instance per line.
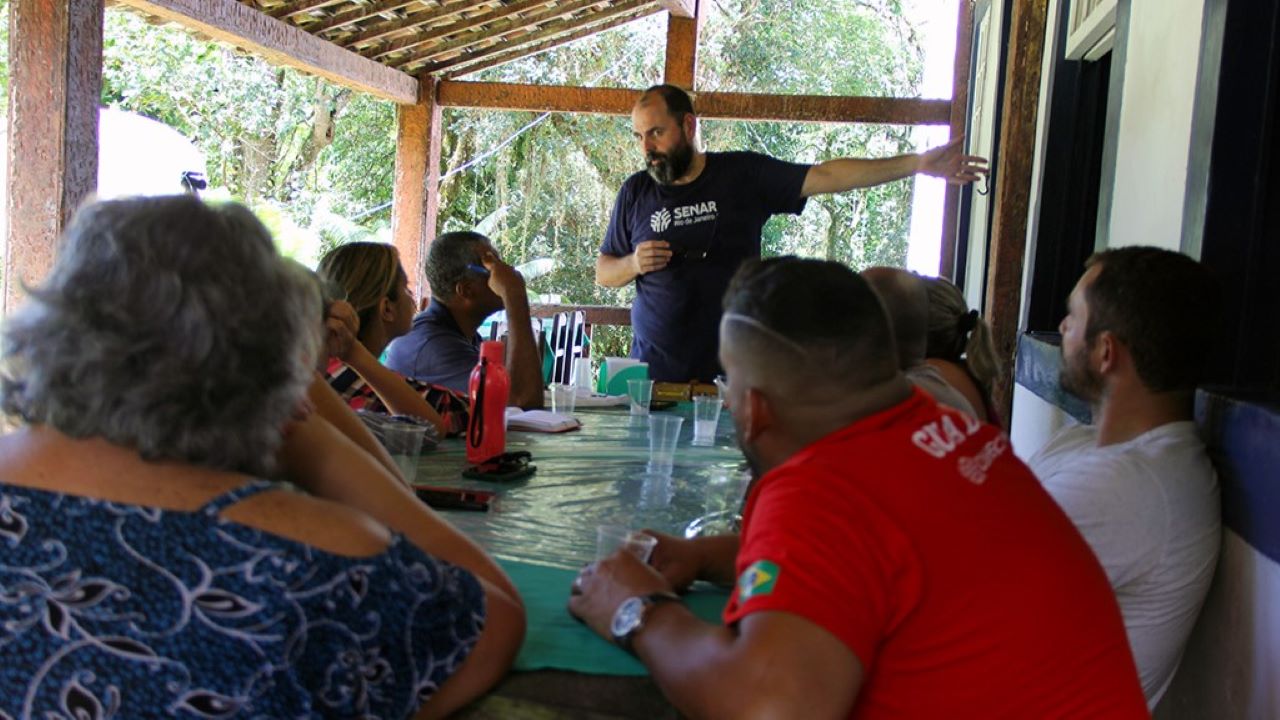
(489,389)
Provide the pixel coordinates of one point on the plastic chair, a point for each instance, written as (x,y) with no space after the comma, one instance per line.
(568,342)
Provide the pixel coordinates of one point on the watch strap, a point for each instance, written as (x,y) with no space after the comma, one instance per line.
(649,601)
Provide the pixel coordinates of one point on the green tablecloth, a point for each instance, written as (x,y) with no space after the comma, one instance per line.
(557,641)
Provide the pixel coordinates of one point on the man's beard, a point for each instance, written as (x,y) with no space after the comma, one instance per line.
(670,166)
(1078,378)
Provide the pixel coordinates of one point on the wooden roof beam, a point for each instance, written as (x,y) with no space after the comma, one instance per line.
(498,29)
(477,20)
(280,43)
(680,8)
(547,33)
(720,105)
(519,54)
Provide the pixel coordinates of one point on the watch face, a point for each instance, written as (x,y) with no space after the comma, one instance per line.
(627,617)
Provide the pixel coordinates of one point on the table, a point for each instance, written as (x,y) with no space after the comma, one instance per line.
(585,478)
(545,526)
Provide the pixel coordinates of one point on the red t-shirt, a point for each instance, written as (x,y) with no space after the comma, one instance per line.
(921,542)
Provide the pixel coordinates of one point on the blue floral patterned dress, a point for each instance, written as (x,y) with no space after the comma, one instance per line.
(110,610)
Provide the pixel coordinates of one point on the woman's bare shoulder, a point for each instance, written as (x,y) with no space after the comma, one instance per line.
(320,523)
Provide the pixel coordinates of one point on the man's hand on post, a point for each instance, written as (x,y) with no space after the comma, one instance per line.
(602,586)
(651,255)
(949,163)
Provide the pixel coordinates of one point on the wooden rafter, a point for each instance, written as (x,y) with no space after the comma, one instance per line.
(549,32)
(493,33)
(409,23)
(518,54)
(725,105)
(283,44)
(298,8)
(479,20)
(357,15)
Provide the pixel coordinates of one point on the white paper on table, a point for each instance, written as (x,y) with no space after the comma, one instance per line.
(540,421)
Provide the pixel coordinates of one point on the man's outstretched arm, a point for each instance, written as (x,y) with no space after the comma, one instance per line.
(945,161)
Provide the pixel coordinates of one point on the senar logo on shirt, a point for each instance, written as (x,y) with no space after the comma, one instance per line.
(758,579)
(660,220)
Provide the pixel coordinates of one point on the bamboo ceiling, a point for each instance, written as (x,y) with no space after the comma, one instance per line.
(450,38)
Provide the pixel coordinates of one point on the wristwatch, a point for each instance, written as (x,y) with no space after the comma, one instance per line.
(629,617)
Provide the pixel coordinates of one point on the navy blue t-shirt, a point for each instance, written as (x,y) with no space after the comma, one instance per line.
(435,350)
(713,224)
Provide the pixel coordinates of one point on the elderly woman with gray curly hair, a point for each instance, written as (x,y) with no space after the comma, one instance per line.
(149,565)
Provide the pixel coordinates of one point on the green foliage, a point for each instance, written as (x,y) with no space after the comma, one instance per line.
(318,161)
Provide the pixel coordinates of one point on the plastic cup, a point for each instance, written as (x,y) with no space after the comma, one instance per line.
(640,392)
(664,432)
(706,415)
(563,399)
(582,375)
(403,442)
(611,538)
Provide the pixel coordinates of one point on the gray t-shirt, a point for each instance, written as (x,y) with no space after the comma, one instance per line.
(927,378)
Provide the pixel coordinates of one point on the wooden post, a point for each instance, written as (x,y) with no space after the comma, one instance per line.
(55,64)
(682,48)
(416,197)
(948,263)
(1013,186)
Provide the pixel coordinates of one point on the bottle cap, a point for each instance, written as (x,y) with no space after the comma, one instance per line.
(493,351)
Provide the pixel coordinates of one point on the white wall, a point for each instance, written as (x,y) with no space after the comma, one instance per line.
(1163,54)
(1228,667)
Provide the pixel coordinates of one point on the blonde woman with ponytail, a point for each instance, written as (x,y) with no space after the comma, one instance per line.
(961,349)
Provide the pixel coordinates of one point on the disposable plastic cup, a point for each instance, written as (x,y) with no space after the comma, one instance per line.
(611,538)
(582,374)
(563,399)
(403,442)
(706,415)
(664,432)
(640,392)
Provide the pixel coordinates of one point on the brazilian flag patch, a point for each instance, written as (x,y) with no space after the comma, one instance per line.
(757,580)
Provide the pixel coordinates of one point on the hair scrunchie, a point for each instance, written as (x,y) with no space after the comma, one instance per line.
(967,322)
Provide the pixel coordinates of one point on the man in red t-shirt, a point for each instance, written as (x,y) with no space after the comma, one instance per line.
(896,559)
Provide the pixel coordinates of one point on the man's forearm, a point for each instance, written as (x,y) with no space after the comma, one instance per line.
(523,363)
(842,174)
(614,271)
